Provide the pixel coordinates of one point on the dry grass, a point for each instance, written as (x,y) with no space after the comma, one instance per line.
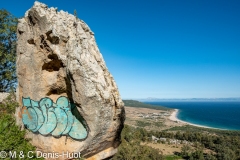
(166,149)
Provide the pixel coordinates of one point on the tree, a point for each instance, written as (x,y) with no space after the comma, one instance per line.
(8,27)
(185,150)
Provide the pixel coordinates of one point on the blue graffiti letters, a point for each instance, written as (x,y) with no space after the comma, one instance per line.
(49,118)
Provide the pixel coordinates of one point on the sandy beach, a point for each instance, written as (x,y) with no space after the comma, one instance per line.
(173,117)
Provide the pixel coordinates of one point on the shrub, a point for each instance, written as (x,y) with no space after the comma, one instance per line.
(11,137)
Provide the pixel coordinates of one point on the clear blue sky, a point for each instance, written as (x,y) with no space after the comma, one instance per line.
(162,49)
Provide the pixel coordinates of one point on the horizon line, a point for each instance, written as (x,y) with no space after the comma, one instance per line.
(177,98)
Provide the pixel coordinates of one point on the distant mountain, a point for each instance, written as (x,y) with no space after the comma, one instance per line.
(134,103)
(188,99)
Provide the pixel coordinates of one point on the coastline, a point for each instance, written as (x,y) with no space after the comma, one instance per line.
(173,117)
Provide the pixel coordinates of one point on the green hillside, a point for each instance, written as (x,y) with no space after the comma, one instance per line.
(134,103)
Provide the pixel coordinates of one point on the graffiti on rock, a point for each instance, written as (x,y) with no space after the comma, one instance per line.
(56,119)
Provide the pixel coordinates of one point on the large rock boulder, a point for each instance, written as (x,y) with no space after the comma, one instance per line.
(69,101)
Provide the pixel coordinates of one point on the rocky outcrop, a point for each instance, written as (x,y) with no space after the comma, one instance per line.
(69,101)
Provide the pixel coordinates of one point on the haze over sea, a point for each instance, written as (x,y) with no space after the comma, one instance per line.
(221,114)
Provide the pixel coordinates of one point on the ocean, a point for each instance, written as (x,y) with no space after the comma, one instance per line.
(222,115)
